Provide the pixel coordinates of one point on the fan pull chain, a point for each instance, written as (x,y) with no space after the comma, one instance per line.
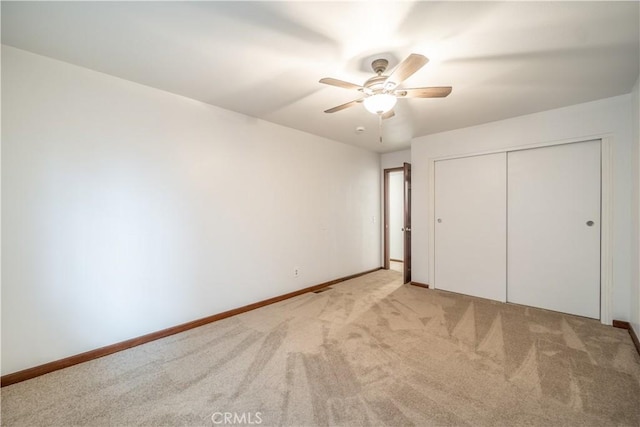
(380,126)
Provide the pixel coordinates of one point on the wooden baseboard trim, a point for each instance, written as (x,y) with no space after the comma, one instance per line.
(421,285)
(56,365)
(620,324)
(396,260)
(626,325)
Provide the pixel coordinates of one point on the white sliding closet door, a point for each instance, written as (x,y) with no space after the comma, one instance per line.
(554,228)
(470,229)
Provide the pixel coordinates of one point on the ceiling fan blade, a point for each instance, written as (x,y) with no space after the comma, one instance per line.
(343,106)
(388,115)
(424,92)
(340,83)
(406,68)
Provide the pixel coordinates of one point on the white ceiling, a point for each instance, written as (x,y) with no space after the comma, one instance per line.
(264,59)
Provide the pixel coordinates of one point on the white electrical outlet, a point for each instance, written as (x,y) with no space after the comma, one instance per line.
(296,271)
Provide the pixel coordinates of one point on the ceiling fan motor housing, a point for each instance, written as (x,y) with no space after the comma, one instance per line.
(375,83)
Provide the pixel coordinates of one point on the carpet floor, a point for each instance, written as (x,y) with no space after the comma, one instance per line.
(368,352)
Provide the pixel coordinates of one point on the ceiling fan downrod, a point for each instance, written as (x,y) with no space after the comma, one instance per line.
(379,66)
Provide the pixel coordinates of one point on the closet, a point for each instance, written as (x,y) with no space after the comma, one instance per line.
(522,226)
(471,231)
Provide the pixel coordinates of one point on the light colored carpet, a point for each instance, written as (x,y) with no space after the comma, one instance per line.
(370,351)
(396,265)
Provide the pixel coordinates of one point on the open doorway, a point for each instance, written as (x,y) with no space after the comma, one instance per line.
(397,220)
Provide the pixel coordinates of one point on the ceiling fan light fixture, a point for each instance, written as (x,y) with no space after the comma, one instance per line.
(379,103)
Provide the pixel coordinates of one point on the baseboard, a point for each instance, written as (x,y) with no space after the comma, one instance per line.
(56,365)
(396,260)
(421,285)
(620,324)
(626,325)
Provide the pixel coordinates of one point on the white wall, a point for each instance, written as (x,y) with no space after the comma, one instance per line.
(395,159)
(607,116)
(635,244)
(127,210)
(396,215)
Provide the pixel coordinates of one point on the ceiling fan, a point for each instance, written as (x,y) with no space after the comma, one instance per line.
(381,92)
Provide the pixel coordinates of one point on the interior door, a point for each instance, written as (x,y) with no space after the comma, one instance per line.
(407,222)
(470,229)
(554,228)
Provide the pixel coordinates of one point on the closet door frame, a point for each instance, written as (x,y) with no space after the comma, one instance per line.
(606,230)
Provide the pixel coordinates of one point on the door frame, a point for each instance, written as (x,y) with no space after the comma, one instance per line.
(406,207)
(607,142)
(386,264)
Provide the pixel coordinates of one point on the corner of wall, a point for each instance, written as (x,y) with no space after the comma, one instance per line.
(635,244)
